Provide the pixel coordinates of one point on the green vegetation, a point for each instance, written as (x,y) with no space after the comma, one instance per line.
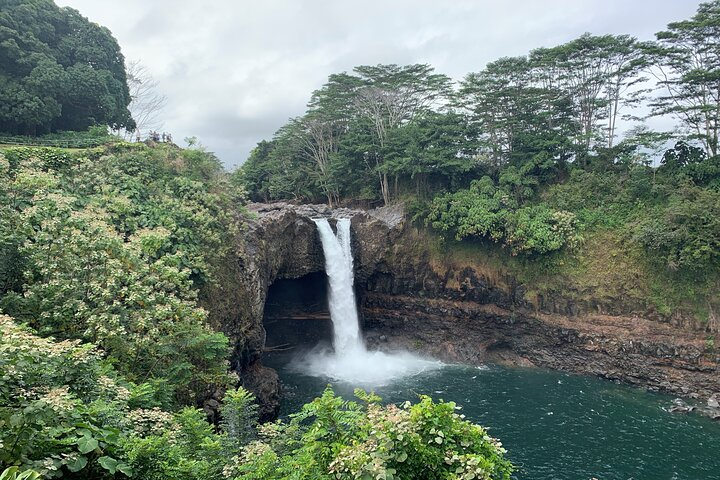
(59,71)
(334,438)
(486,211)
(111,246)
(105,351)
(66,412)
(14,473)
(526,154)
(93,137)
(381,133)
(111,254)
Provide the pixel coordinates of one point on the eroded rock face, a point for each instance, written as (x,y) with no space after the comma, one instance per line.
(630,350)
(282,242)
(264,383)
(466,313)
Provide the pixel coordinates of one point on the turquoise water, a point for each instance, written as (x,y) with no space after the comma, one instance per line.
(555,425)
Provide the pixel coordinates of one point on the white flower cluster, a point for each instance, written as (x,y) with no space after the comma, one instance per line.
(151,421)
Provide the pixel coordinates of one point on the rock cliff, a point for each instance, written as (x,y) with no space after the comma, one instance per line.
(280,242)
(458,312)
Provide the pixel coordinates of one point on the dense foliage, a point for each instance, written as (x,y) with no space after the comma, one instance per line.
(106,351)
(92,137)
(111,246)
(59,71)
(66,412)
(332,438)
(526,153)
(62,405)
(106,253)
(486,211)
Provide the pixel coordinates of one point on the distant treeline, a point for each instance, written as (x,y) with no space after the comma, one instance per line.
(381,132)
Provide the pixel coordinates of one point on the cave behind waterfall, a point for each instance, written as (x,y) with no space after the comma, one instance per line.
(296,315)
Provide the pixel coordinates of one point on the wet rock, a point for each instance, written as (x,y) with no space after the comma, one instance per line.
(462,313)
(265,385)
(281,242)
(470,332)
(681,409)
(211,407)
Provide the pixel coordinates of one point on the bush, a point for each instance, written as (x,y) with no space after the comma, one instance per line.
(62,408)
(538,229)
(336,439)
(686,231)
(113,251)
(488,212)
(186,449)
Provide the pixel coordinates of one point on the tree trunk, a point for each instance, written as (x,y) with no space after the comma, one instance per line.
(385,188)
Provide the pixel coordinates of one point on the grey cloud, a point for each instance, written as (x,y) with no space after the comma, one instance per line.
(235,71)
(228,125)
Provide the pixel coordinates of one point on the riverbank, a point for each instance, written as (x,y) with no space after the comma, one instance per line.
(470,311)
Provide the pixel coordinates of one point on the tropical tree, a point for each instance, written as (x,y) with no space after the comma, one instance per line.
(391,96)
(686,60)
(433,151)
(59,71)
(600,76)
(317,137)
(376,100)
(517,113)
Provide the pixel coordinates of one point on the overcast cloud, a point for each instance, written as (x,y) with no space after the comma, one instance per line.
(235,71)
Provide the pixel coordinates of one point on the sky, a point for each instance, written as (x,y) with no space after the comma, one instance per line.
(234,71)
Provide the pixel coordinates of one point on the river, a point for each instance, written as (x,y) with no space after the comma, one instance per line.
(554,425)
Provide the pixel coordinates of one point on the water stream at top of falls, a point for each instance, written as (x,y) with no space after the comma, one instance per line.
(349,361)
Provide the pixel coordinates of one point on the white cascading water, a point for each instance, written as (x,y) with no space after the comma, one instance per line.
(349,360)
(341,295)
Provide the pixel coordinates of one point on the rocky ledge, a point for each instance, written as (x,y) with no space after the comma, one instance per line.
(281,242)
(458,313)
(630,350)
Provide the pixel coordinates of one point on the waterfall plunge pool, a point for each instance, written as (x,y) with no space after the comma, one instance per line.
(348,359)
(554,425)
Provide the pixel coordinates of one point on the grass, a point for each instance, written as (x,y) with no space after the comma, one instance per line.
(608,271)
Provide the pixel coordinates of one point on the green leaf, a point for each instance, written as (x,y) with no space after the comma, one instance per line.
(109,464)
(78,464)
(402,456)
(87,444)
(16,420)
(125,468)
(28,475)
(8,473)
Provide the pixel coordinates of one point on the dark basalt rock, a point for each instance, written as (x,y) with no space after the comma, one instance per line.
(282,242)
(265,384)
(464,313)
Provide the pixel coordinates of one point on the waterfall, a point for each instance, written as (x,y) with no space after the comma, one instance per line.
(341,295)
(349,361)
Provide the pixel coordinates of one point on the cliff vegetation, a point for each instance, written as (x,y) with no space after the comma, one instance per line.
(547,156)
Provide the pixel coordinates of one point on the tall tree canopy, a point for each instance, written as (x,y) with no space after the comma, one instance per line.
(687,67)
(58,71)
(380,133)
(377,100)
(361,130)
